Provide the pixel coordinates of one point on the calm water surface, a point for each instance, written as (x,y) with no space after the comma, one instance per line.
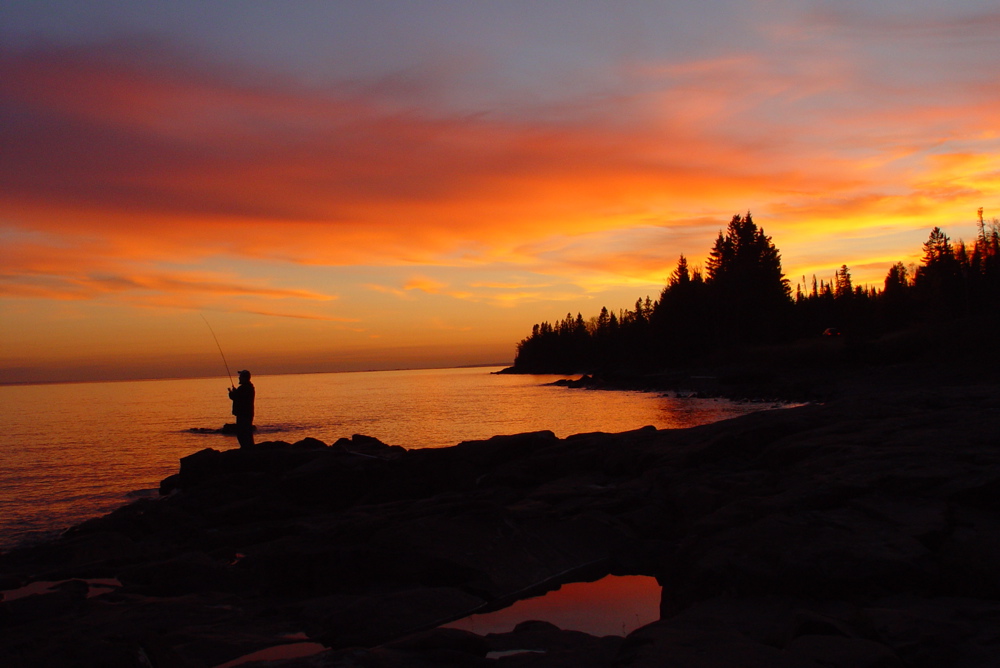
(74,451)
(612,606)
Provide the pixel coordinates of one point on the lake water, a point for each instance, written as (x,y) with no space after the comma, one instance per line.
(69,452)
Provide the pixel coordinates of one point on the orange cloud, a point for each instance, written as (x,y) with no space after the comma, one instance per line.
(425,284)
(68,285)
(305,316)
(386,290)
(128,170)
(167,160)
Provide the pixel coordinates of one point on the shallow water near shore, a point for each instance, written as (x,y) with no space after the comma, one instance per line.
(69,452)
(611,606)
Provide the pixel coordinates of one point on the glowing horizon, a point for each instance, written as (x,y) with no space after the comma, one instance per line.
(347,186)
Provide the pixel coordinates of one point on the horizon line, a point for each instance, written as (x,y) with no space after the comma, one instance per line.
(22,383)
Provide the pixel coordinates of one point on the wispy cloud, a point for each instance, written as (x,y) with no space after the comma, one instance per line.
(68,285)
(305,316)
(151,147)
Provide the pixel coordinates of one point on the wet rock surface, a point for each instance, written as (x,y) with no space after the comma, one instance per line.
(862,532)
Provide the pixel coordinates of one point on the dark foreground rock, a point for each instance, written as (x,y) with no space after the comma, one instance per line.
(863,532)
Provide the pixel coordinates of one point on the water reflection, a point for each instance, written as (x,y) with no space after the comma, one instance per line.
(613,605)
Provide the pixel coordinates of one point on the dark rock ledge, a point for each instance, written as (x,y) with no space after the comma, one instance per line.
(860,533)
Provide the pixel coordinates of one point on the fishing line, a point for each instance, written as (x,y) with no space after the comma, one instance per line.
(231,383)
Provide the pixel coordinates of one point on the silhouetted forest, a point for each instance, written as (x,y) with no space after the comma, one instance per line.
(743,299)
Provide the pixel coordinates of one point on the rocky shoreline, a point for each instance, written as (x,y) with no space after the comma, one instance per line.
(863,531)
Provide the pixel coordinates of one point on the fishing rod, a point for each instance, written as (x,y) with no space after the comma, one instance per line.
(231,383)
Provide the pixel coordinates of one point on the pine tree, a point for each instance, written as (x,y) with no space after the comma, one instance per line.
(897,281)
(843,288)
(750,293)
(680,276)
(937,248)
(939,281)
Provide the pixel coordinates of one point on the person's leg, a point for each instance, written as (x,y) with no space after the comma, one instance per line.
(244,432)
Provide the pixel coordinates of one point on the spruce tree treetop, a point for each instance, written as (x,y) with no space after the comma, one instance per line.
(681,275)
(745,256)
(749,291)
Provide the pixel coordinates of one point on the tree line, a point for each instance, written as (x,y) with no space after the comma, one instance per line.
(742,298)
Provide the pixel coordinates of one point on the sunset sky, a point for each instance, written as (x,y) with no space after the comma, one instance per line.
(358,185)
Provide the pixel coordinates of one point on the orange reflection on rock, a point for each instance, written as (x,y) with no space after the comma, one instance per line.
(613,605)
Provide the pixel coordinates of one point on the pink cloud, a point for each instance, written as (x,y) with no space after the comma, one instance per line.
(138,153)
(102,146)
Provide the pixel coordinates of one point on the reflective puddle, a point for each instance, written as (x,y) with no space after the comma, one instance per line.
(612,606)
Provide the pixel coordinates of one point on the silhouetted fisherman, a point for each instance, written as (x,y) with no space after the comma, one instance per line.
(243,397)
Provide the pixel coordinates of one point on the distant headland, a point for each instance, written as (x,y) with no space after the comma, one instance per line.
(741,310)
